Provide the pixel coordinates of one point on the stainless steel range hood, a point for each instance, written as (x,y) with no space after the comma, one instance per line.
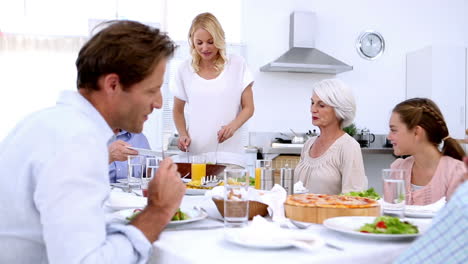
(302,55)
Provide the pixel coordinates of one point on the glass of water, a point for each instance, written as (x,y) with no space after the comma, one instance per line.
(152,165)
(135,170)
(394,198)
(236,202)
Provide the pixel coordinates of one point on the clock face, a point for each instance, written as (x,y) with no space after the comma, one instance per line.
(370,45)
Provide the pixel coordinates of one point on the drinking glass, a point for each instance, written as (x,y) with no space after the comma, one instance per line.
(152,165)
(198,167)
(394,198)
(135,170)
(236,202)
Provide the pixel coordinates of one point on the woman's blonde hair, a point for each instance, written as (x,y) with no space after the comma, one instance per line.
(208,22)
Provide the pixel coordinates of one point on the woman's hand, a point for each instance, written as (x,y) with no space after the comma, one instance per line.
(226,132)
(184,143)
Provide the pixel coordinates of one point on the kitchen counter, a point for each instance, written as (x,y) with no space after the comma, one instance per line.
(278,148)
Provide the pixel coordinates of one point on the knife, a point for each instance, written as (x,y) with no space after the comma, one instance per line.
(193,228)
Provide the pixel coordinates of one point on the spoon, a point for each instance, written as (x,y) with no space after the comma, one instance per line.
(301,225)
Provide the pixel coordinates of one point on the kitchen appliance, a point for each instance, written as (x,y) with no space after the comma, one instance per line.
(365,138)
(297,139)
(302,55)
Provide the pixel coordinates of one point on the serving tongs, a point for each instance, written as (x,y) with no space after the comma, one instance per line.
(210,181)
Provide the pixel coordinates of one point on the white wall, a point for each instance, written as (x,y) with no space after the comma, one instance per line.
(282,99)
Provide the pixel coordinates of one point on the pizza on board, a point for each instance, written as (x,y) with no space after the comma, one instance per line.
(330,201)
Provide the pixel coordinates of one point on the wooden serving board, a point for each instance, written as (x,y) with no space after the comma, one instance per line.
(318,215)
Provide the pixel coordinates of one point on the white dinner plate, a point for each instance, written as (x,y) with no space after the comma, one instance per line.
(134,181)
(189,191)
(350,225)
(289,238)
(195,215)
(418,212)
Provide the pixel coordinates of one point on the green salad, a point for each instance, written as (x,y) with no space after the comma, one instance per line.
(135,213)
(178,216)
(370,193)
(389,225)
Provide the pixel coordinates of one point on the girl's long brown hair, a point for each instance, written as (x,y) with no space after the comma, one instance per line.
(424,112)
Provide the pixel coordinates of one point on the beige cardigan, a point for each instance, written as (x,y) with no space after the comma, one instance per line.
(339,170)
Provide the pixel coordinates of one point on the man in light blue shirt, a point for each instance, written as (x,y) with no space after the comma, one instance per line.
(446,241)
(119,152)
(52,190)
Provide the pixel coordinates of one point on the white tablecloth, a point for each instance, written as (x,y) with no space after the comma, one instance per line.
(209,246)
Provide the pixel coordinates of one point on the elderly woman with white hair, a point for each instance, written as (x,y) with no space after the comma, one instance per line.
(331,163)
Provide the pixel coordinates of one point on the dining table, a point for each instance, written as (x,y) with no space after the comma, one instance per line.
(205,242)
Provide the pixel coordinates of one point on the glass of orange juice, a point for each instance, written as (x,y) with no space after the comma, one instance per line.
(198,167)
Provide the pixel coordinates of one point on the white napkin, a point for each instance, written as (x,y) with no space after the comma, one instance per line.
(274,199)
(119,200)
(262,233)
(300,188)
(426,209)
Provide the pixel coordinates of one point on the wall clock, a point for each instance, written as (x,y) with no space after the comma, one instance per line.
(370,44)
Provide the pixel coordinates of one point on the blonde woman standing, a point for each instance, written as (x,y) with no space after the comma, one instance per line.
(213,95)
(417,128)
(332,162)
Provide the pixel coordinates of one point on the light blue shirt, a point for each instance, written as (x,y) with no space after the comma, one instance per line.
(447,239)
(53,185)
(118,169)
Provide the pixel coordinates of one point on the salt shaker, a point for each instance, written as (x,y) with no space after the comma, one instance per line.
(286,179)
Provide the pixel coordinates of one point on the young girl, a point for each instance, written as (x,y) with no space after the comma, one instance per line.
(417,128)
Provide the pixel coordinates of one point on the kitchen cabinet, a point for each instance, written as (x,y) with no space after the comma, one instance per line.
(440,73)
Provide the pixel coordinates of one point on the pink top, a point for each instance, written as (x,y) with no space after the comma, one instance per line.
(448,175)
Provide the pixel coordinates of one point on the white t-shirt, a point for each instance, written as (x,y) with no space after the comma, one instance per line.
(211,104)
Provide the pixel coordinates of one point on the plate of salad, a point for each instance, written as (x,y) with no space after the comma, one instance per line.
(180,217)
(382,227)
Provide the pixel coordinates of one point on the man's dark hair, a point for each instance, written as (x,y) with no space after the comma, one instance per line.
(127,48)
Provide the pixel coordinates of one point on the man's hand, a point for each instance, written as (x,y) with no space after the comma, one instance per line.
(119,151)
(165,192)
(184,143)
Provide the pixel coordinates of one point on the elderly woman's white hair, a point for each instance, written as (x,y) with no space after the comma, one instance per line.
(336,94)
